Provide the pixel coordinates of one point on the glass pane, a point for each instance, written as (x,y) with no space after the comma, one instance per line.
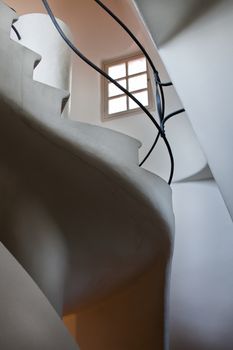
(137,66)
(117,71)
(116,105)
(138,82)
(113,89)
(142,97)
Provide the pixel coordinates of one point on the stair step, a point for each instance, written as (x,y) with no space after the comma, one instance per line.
(10,68)
(31,60)
(17,82)
(42,100)
(7,17)
(109,142)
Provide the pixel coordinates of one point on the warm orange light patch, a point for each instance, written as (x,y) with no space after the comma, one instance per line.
(70,323)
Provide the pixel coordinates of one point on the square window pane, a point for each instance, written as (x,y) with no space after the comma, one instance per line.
(117,71)
(117,105)
(142,97)
(113,89)
(138,82)
(137,66)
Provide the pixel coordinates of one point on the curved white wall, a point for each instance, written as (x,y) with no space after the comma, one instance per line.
(199,60)
(202,284)
(172,16)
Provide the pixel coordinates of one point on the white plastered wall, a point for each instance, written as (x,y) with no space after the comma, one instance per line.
(201,307)
(202,285)
(199,60)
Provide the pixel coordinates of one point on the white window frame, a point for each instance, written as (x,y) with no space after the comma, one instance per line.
(104,89)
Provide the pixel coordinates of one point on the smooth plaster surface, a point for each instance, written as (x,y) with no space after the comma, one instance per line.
(199,60)
(201,304)
(27,319)
(166,18)
(77,213)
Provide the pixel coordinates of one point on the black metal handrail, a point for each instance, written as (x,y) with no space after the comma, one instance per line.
(13,27)
(158,134)
(16,32)
(160,100)
(99,70)
(122,24)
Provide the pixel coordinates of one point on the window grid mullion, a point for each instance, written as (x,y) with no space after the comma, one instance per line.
(118,79)
(121,93)
(132,92)
(139,90)
(137,74)
(116,96)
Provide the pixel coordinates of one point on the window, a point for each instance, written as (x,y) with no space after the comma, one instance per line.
(132,74)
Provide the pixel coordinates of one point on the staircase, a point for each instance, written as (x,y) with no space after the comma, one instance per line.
(79,219)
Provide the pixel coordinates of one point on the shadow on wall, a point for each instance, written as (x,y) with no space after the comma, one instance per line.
(195,12)
(201,304)
(172,15)
(186,339)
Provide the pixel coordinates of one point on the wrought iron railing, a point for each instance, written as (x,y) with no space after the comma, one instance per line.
(160,97)
(16,32)
(14,29)
(159,93)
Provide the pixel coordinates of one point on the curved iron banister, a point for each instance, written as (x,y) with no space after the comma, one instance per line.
(99,70)
(179,111)
(158,134)
(159,91)
(16,32)
(119,21)
(160,99)
(13,27)
(151,149)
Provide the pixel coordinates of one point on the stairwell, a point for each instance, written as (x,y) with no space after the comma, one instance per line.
(80,221)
